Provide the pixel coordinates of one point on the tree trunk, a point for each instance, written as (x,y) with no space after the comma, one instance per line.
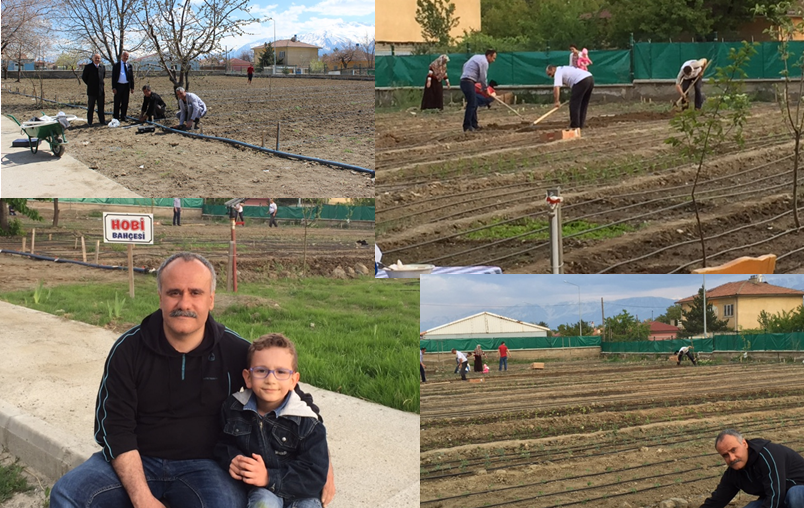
(3,215)
(55,212)
(795,180)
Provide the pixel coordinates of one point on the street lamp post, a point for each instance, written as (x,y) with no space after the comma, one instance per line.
(580,322)
(274,45)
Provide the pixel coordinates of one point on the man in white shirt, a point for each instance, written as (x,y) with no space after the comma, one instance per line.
(272,213)
(177,211)
(463,361)
(685,351)
(191,109)
(581,83)
(692,72)
(122,86)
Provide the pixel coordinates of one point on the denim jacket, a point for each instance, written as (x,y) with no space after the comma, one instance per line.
(293,443)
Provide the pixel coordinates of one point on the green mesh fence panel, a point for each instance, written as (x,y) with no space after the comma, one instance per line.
(329,212)
(656,346)
(762,342)
(185,202)
(442,345)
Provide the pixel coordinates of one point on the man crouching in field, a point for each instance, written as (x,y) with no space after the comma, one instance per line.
(758,467)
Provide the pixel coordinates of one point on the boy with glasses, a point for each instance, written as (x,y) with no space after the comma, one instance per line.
(272,441)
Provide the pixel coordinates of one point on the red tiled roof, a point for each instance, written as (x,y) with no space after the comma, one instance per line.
(657,326)
(746,288)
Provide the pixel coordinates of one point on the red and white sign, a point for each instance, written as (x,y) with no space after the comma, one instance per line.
(128,228)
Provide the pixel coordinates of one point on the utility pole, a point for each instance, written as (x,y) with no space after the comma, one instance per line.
(603,323)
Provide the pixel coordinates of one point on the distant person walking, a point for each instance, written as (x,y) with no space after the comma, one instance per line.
(433,97)
(503,356)
(475,70)
(464,363)
(685,351)
(421,364)
(250,72)
(478,354)
(177,211)
(272,213)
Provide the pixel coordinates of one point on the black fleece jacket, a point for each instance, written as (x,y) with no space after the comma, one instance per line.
(770,471)
(163,403)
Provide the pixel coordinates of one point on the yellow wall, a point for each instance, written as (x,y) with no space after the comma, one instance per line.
(396,20)
(747,308)
(754,30)
(293,56)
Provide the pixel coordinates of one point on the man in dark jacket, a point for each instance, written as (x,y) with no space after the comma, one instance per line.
(93,76)
(758,467)
(122,86)
(153,107)
(158,406)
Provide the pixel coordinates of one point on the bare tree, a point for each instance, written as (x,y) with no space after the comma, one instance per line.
(104,24)
(246,55)
(345,54)
(367,47)
(17,18)
(180,31)
(70,58)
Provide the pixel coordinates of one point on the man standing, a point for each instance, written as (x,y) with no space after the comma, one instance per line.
(272,213)
(503,356)
(122,86)
(475,70)
(93,76)
(580,83)
(157,414)
(250,73)
(461,359)
(191,109)
(692,73)
(421,364)
(758,467)
(177,211)
(153,107)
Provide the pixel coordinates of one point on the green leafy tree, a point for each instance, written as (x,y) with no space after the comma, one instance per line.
(692,319)
(573,330)
(14,227)
(671,315)
(721,119)
(437,19)
(783,322)
(625,327)
(266,57)
(542,323)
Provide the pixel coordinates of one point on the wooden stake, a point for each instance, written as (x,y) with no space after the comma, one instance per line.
(76,243)
(33,239)
(83,249)
(131,270)
(229,278)
(263,139)
(24,239)
(277,136)
(97,250)
(50,237)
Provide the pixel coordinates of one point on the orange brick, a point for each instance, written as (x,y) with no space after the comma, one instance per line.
(476,380)
(537,365)
(565,134)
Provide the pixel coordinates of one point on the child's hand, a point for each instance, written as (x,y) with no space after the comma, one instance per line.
(253,471)
(236,467)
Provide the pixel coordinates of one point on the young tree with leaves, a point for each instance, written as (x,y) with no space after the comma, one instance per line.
(266,57)
(20,206)
(437,19)
(626,327)
(692,319)
(671,315)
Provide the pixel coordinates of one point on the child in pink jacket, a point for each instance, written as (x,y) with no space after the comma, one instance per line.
(583,59)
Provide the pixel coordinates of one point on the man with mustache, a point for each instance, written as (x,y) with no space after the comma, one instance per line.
(157,414)
(758,467)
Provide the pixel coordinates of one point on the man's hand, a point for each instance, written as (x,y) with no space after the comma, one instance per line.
(329,488)
(114,91)
(250,470)
(556,104)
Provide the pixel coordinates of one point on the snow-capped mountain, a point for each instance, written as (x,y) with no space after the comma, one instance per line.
(328,39)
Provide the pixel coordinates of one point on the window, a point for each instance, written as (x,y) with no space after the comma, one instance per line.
(728,310)
(281,54)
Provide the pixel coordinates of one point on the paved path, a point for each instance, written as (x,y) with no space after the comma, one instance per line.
(23,174)
(50,368)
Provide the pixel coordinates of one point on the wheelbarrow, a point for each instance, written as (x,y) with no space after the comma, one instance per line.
(48,129)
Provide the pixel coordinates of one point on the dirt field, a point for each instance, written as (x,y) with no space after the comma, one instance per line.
(446,197)
(263,253)
(603,434)
(325,119)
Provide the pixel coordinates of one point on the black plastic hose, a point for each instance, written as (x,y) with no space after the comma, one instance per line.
(76,262)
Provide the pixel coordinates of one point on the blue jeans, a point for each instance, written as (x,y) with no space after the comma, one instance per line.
(264,498)
(504,361)
(793,499)
(470,116)
(199,483)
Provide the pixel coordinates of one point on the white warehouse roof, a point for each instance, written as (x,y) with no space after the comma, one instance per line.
(485,324)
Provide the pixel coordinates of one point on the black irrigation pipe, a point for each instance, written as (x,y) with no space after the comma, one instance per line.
(235,142)
(553,457)
(76,262)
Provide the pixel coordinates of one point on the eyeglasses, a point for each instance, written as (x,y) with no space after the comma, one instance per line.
(262,373)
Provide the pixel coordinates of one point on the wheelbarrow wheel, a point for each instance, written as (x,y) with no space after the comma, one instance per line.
(58,149)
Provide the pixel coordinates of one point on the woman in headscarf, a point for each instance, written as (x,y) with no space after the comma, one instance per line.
(433,97)
(479,354)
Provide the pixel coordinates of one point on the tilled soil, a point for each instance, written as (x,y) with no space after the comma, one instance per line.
(438,184)
(325,119)
(595,433)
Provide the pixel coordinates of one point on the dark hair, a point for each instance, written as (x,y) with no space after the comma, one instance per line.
(272,340)
(493,83)
(185,256)
(687,69)
(424,349)
(503,343)
(490,52)
(573,46)
(146,87)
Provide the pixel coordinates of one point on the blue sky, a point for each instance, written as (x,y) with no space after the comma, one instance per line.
(464,295)
(294,17)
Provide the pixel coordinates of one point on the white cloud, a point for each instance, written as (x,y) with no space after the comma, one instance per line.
(345,7)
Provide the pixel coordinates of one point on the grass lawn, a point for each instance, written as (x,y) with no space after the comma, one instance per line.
(355,337)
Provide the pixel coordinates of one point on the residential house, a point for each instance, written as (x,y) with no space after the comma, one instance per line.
(290,52)
(152,63)
(741,302)
(238,65)
(662,331)
(397,26)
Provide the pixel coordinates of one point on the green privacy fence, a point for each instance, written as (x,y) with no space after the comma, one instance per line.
(438,345)
(645,60)
(185,202)
(724,343)
(328,212)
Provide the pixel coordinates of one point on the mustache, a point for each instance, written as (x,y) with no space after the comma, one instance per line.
(183,313)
